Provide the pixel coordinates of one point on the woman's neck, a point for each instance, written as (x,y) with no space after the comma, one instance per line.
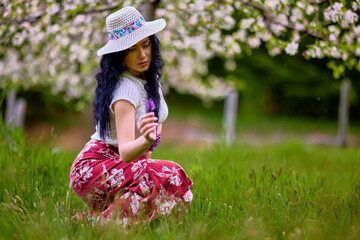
(137,74)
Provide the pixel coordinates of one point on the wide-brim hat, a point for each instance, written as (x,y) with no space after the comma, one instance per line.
(126,27)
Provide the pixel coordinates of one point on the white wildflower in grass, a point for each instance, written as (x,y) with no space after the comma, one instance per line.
(292,48)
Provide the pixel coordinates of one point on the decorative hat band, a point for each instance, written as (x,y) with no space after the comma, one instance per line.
(131,27)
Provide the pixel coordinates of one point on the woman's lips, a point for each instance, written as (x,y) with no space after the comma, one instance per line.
(143,63)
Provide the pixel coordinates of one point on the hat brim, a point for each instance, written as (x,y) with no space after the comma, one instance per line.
(124,42)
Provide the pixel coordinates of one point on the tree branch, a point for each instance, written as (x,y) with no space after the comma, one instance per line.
(37,18)
(272,20)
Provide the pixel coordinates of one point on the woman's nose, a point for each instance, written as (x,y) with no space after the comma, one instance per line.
(142,53)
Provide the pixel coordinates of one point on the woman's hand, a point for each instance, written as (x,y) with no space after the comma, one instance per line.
(146,154)
(147,126)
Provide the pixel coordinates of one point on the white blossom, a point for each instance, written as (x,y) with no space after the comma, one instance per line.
(349,18)
(275,51)
(282,19)
(272,4)
(333,12)
(310,10)
(59,45)
(254,42)
(296,15)
(277,29)
(332,37)
(335,53)
(246,23)
(356,30)
(292,48)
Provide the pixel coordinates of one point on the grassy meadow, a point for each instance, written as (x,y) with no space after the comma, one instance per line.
(277,191)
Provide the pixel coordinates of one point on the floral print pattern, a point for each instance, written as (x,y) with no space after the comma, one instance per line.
(126,192)
(117,33)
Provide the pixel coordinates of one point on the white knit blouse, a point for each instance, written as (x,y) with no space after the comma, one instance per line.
(132,89)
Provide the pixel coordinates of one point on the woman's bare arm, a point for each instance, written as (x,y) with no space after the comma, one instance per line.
(129,147)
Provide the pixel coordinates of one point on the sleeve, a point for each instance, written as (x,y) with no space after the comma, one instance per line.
(128,91)
(164,111)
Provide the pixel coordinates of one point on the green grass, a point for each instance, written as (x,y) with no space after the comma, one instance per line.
(284,191)
(249,119)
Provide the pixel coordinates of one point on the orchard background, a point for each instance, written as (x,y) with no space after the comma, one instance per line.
(283,177)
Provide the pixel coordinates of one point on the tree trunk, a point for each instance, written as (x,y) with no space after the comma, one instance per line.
(230,115)
(343,112)
(148,9)
(15,111)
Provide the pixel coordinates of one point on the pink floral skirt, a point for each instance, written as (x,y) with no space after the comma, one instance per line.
(140,190)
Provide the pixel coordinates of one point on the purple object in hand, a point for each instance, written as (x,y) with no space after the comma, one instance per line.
(150,105)
(156,143)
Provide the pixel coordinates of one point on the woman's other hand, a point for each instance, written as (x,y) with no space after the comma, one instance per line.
(146,154)
(147,126)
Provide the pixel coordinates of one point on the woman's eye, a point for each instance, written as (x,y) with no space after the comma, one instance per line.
(147,44)
(130,50)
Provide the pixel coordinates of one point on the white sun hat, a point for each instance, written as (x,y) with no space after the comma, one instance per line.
(126,27)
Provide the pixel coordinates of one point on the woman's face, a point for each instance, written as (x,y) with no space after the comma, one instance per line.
(138,58)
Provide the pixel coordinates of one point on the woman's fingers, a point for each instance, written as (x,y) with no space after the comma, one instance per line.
(146,115)
(148,126)
(149,134)
(145,119)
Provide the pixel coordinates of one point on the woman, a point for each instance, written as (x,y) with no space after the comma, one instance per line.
(114,174)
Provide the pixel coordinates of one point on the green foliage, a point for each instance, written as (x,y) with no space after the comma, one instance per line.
(287,191)
(338,70)
(288,85)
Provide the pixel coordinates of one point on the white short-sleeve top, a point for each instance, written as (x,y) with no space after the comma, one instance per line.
(132,89)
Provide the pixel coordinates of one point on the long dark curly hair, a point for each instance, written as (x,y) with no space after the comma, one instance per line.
(111,67)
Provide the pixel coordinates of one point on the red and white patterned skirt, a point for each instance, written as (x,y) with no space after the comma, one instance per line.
(140,190)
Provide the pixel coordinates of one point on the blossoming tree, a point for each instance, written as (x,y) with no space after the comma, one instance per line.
(54,42)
